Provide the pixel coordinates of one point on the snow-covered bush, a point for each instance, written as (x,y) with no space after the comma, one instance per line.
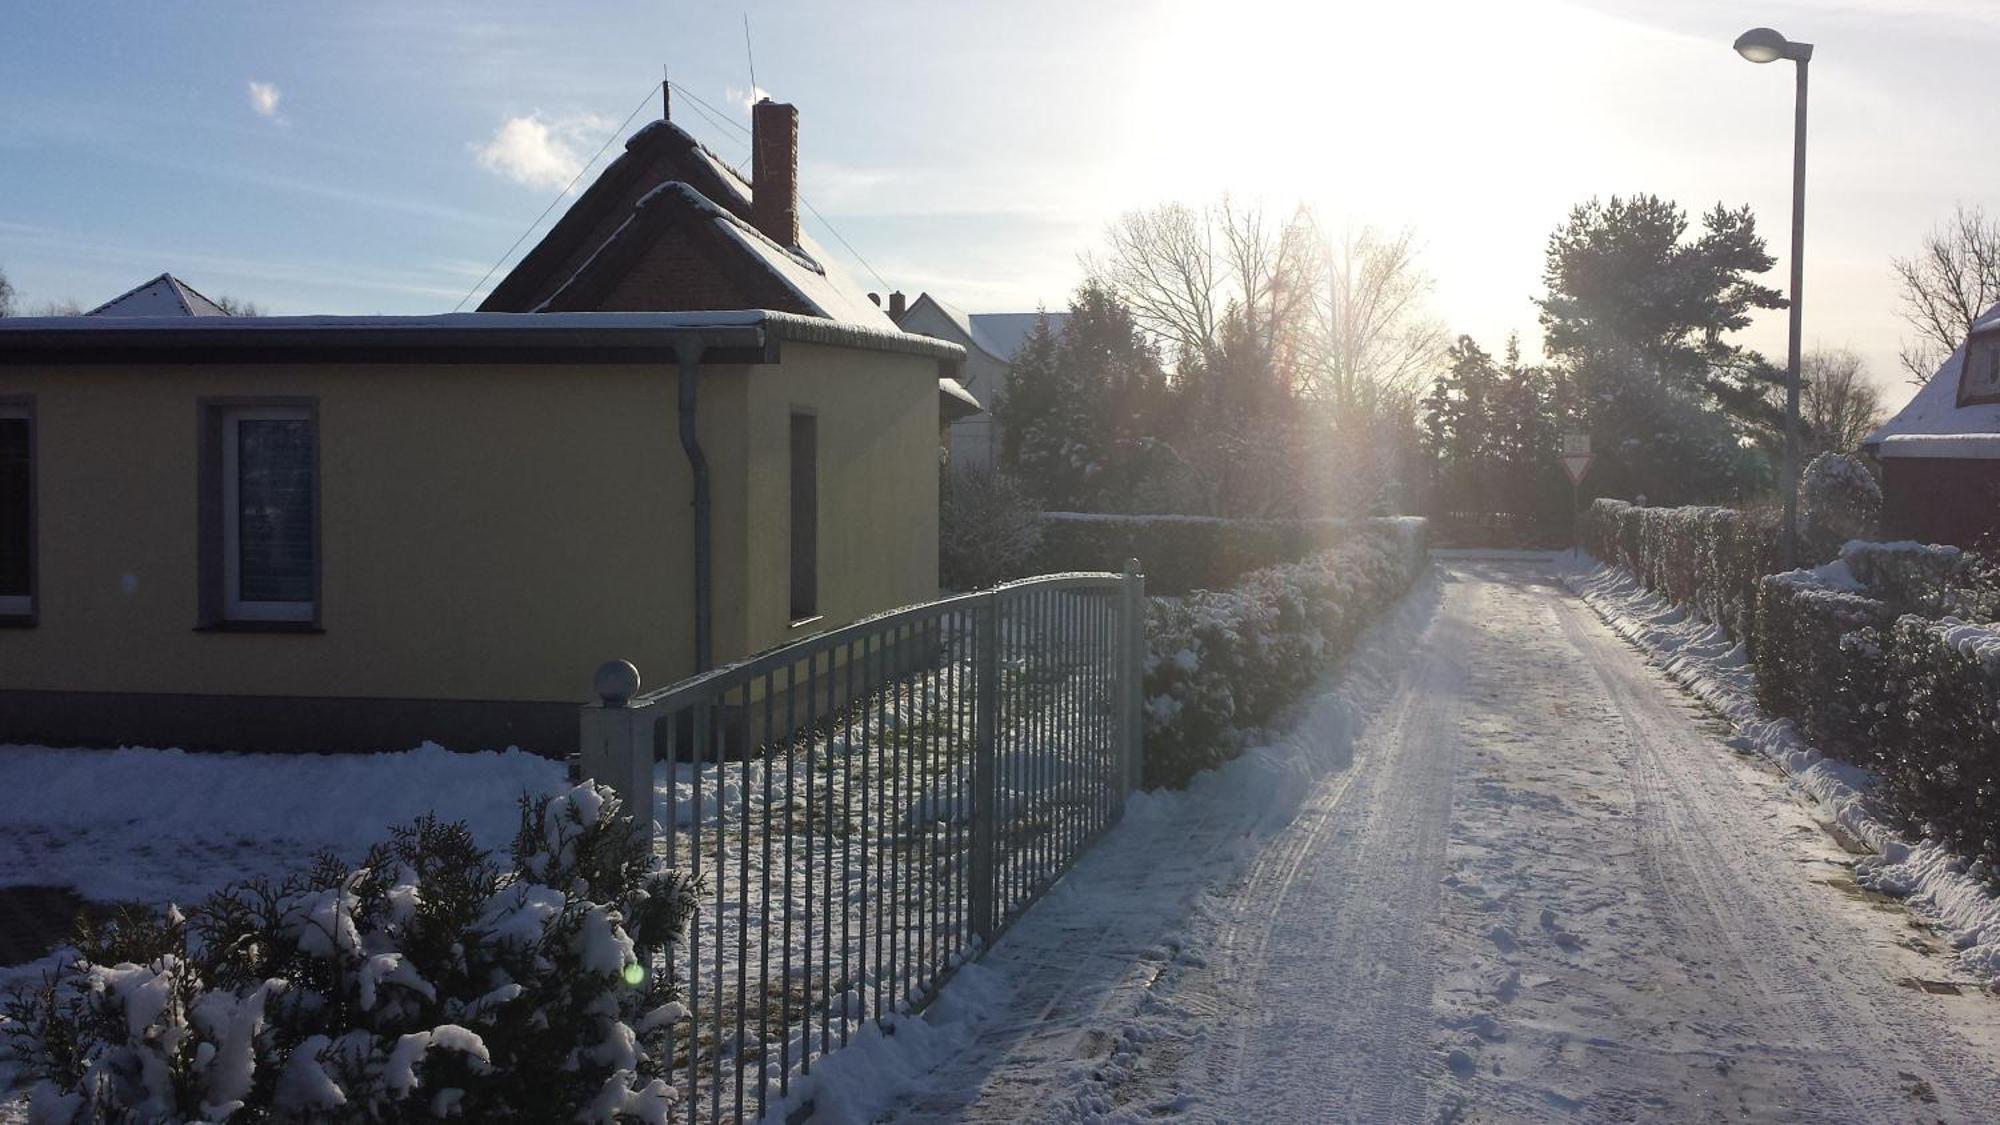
(1221,663)
(424,982)
(988,528)
(1711,558)
(1931,580)
(1939,750)
(1182,553)
(1839,500)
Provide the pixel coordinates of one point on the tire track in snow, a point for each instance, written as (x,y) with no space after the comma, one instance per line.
(1806,990)
(1335,913)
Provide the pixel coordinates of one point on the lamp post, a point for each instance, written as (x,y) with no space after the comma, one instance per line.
(1762,45)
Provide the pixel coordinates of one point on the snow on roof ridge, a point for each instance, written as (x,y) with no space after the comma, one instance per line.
(177,293)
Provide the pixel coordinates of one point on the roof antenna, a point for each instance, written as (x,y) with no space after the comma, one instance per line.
(666,95)
(747,50)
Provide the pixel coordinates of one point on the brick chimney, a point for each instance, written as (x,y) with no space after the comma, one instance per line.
(896,306)
(774,170)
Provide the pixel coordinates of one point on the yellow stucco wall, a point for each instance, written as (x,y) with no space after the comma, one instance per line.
(487,533)
(878,480)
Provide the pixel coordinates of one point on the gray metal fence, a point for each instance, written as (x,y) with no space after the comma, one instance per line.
(871,807)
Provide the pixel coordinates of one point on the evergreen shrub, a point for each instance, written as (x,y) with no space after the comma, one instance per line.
(425,982)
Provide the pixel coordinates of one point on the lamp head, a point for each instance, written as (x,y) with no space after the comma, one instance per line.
(1762,45)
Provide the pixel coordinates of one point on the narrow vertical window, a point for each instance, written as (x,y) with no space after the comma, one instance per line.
(805,516)
(17,514)
(269,525)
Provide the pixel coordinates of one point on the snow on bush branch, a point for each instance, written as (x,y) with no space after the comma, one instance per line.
(1221,663)
(424,982)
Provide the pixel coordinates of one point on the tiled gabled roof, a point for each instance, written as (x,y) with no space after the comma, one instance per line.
(666,189)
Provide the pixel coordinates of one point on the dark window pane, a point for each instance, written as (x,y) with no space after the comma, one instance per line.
(15,488)
(274,508)
(805,516)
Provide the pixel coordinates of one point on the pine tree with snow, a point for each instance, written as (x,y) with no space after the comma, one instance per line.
(424,982)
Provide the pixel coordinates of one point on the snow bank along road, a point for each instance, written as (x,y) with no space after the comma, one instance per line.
(1505,871)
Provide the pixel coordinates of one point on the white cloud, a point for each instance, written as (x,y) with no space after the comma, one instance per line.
(264,99)
(541,152)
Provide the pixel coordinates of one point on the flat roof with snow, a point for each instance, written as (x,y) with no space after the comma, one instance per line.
(728,336)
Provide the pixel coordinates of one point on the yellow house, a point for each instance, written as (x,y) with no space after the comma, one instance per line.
(341,533)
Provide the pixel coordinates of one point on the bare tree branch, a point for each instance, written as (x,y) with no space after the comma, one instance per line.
(1952,279)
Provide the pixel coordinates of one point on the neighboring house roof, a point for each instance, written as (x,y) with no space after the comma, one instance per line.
(165,295)
(666,181)
(1938,411)
(955,402)
(999,335)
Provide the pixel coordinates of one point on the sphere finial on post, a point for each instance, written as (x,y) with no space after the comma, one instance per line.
(616,682)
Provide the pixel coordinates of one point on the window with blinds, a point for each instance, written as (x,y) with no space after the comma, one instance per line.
(17,516)
(269,548)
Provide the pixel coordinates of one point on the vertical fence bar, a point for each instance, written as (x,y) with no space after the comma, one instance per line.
(985,779)
(721,871)
(847,833)
(1130,690)
(791,836)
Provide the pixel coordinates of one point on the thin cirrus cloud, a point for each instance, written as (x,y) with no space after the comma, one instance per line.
(541,152)
(264,99)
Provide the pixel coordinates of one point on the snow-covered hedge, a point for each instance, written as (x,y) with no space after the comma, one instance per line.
(1939,735)
(1870,658)
(1820,659)
(1930,580)
(426,982)
(1221,663)
(1711,558)
(1181,553)
(1882,656)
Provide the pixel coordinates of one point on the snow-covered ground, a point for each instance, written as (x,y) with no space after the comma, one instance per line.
(1504,870)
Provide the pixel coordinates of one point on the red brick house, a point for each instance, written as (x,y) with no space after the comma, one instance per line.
(669,226)
(1940,454)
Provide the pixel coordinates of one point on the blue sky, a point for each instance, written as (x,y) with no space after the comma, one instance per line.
(386,155)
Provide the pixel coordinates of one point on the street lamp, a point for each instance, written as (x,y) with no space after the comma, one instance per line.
(1762,45)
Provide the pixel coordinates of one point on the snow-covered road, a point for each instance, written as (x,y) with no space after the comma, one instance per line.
(1505,871)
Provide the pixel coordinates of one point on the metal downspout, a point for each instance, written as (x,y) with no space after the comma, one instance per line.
(688,350)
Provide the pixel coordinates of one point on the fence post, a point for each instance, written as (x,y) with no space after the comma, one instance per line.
(985,775)
(615,740)
(1131,679)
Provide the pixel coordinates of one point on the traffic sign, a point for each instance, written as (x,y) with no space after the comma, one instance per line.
(1577,464)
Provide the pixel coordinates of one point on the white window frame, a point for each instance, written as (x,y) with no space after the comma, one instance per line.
(234,608)
(23,605)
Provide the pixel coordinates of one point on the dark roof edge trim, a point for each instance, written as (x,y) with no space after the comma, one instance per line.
(734,336)
(840,334)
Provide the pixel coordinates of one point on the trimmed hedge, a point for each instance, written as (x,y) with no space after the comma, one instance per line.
(1711,558)
(1820,660)
(1939,749)
(1877,656)
(1219,664)
(1181,553)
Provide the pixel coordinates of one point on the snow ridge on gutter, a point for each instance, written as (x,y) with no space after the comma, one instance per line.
(1938,884)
